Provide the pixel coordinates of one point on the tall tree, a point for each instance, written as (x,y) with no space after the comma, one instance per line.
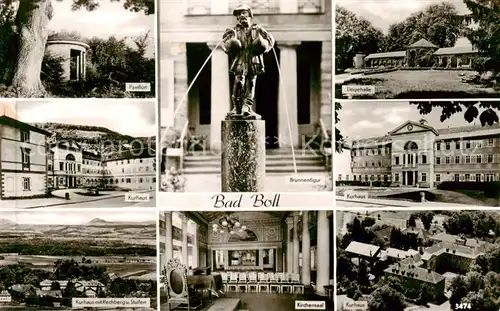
(353,35)
(438,23)
(31,30)
(471,109)
(485,15)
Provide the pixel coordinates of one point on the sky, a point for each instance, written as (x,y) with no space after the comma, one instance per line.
(107,20)
(41,217)
(129,117)
(366,119)
(383,13)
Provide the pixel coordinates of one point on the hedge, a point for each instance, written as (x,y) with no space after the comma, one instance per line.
(491,189)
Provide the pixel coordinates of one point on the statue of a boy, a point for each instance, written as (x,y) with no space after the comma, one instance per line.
(245,43)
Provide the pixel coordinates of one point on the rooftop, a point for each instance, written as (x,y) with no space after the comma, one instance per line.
(5,120)
(415,272)
(362,249)
(386,55)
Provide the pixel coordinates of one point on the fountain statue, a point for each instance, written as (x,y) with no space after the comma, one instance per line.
(243,131)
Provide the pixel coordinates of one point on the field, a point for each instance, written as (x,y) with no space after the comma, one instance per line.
(420,84)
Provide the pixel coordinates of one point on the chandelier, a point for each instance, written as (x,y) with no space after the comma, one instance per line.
(229,224)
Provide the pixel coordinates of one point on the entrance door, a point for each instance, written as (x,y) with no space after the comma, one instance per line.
(266,98)
(410,178)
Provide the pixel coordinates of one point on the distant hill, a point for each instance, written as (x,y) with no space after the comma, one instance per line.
(94,138)
(97,220)
(5,223)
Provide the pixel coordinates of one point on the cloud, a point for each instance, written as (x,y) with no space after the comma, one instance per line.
(365,124)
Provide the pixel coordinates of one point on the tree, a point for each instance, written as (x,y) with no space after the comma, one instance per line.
(412,221)
(30,33)
(426,218)
(55,286)
(386,298)
(439,23)
(353,35)
(484,35)
(471,109)
(458,288)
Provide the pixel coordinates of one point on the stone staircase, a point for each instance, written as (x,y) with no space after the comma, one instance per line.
(277,161)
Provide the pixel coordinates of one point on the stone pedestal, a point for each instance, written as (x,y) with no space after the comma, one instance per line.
(243,155)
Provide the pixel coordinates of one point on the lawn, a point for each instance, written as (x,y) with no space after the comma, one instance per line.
(419,84)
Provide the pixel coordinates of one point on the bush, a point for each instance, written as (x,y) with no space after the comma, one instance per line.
(357,183)
(491,189)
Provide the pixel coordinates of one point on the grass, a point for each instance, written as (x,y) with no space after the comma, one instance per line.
(421,84)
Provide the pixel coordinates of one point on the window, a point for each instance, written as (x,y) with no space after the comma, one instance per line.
(424,177)
(438,178)
(467,159)
(128,181)
(340,177)
(438,145)
(479,158)
(79,167)
(26,184)
(25,157)
(457,160)
(379,151)
(396,160)
(491,142)
(140,161)
(379,178)
(140,180)
(447,160)
(447,145)
(467,144)
(128,161)
(490,158)
(478,177)
(354,177)
(373,164)
(61,166)
(438,160)
(346,178)
(467,177)
(379,163)
(366,177)
(387,151)
(457,177)
(424,159)
(25,136)
(457,145)
(50,167)
(396,177)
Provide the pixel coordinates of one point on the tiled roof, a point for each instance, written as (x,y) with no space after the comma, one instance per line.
(455,50)
(443,131)
(445,237)
(422,43)
(398,253)
(362,249)
(467,129)
(386,55)
(415,272)
(21,125)
(131,154)
(456,250)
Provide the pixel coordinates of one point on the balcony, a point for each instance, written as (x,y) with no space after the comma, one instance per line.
(259,7)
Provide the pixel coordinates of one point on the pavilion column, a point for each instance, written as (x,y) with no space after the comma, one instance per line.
(195,247)
(287,96)
(168,237)
(323,253)
(185,258)
(296,246)
(221,97)
(78,64)
(289,245)
(84,66)
(306,250)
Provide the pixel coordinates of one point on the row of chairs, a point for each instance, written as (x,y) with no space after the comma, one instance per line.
(261,282)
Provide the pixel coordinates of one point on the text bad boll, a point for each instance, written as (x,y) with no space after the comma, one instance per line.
(253,200)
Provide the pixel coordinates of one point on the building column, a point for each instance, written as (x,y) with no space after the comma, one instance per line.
(181,83)
(169,248)
(185,258)
(289,245)
(221,98)
(81,64)
(195,246)
(323,253)
(78,62)
(84,68)
(287,96)
(296,246)
(306,250)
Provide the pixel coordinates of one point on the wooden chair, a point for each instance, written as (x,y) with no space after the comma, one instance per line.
(242,282)
(178,291)
(297,287)
(232,284)
(252,284)
(263,285)
(285,286)
(224,277)
(274,284)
